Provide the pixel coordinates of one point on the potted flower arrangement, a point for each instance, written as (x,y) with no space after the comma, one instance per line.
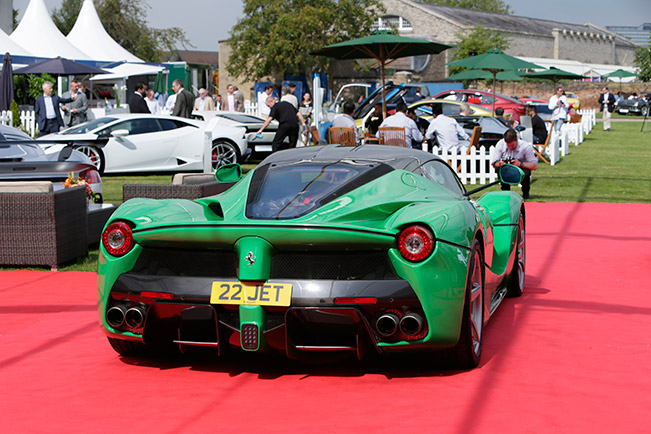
(73,181)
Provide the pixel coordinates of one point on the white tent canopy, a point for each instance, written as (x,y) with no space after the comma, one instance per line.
(38,34)
(127,70)
(587,69)
(7,45)
(89,35)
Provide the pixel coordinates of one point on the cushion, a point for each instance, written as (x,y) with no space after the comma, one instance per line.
(26,187)
(193,178)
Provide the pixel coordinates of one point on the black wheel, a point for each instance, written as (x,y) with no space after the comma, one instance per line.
(96,156)
(223,152)
(516,279)
(467,352)
(644,111)
(128,348)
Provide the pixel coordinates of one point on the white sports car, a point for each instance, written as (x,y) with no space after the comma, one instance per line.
(151,143)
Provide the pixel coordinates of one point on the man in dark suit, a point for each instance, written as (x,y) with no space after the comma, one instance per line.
(607,105)
(46,110)
(137,103)
(184,100)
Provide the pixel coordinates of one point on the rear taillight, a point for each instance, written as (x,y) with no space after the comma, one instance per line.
(91,176)
(415,243)
(117,239)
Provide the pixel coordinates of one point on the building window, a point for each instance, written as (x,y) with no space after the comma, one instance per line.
(390,22)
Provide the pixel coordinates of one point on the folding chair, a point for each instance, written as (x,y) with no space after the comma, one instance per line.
(474,142)
(541,152)
(314,133)
(341,136)
(392,136)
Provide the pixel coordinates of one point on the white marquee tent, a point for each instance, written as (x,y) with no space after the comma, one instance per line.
(127,70)
(38,35)
(7,45)
(89,35)
(586,69)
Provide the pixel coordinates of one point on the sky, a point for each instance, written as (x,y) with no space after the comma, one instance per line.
(206,22)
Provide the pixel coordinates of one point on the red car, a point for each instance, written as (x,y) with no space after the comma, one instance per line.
(510,105)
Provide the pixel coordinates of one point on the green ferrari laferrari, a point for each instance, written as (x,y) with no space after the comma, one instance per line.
(319,252)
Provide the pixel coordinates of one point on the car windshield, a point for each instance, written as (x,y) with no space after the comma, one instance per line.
(287,191)
(89,126)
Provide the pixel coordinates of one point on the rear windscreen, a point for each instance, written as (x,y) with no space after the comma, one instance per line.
(291,190)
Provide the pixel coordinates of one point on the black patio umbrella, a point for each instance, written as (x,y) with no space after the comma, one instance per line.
(6,84)
(59,66)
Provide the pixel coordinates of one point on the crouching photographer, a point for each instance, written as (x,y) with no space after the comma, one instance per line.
(511,150)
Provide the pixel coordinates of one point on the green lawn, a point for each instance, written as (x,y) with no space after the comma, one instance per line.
(607,167)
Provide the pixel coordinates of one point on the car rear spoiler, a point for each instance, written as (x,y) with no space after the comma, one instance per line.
(69,143)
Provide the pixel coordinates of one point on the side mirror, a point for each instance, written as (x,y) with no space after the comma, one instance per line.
(120,133)
(510,174)
(520,128)
(229,173)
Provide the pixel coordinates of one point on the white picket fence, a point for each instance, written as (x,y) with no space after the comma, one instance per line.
(559,142)
(6,117)
(251,108)
(473,168)
(27,121)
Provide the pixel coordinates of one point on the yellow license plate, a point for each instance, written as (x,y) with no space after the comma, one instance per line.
(263,294)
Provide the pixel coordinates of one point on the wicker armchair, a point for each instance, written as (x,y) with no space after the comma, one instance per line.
(184,186)
(42,228)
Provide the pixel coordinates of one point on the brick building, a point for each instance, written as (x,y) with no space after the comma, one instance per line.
(528,37)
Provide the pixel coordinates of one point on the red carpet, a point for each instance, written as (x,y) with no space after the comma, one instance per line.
(571,355)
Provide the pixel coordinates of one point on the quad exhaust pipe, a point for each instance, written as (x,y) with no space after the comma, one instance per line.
(410,324)
(135,317)
(387,324)
(115,315)
(121,314)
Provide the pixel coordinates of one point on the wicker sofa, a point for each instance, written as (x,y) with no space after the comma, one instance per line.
(183,186)
(39,226)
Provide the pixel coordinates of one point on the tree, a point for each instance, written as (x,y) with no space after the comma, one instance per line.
(125,21)
(643,61)
(277,36)
(497,6)
(478,41)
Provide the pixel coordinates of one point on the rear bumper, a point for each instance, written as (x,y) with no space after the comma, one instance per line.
(313,327)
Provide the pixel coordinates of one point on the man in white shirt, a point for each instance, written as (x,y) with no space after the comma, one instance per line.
(519,153)
(346,120)
(400,119)
(152,102)
(559,106)
(262,100)
(169,104)
(447,131)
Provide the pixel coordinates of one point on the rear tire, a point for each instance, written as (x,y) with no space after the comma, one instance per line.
(467,352)
(96,156)
(516,279)
(128,348)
